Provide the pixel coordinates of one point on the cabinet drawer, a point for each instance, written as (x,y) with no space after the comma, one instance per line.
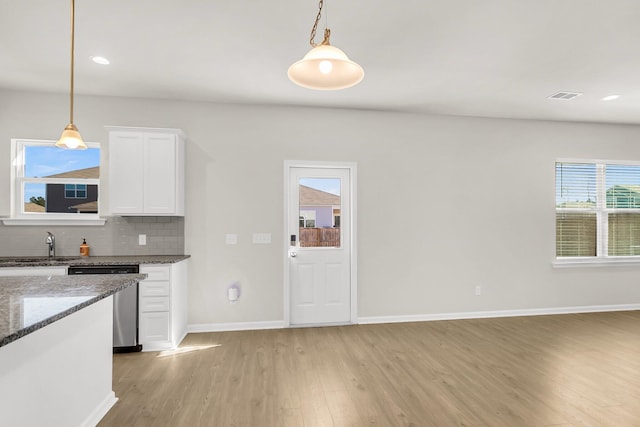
(154,289)
(150,304)
(156,272)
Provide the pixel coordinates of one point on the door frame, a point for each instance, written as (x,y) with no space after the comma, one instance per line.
(352,167)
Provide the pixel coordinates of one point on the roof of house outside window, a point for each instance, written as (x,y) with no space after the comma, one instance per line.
(33,207)
(629,188)
(312,197)
(86,207)
(87,173)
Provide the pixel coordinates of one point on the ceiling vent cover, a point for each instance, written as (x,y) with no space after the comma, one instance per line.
(565,95)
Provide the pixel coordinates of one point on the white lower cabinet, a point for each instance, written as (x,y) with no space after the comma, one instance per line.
(163,306)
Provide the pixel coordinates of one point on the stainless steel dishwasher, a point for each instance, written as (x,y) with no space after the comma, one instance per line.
(125,306)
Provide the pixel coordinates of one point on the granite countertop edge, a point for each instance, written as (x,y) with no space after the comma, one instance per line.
(124,281)
(65,261)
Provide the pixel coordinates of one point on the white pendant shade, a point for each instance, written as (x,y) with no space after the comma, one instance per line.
(326,67)
(71,139)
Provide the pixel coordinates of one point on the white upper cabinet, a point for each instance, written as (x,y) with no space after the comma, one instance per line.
(146,171)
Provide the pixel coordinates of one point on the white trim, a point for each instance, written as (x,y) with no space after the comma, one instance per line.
(591,161)
(238,326)
(368,320)
(53,221)
(100,411)
(175,131)
(596,262)
(287,244)
(499,313)
(353,169)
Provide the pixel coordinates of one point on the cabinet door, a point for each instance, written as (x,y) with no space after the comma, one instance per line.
(160,173)
(154,329)
(126,172)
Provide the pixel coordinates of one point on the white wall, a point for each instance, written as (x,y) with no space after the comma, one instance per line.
(445,203)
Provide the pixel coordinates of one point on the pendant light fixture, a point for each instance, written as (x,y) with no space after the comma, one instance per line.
(70,137)
(325,67)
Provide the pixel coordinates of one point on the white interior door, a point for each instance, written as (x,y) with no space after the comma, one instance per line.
(319,262)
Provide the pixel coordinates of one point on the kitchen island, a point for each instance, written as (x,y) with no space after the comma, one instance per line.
(56,348)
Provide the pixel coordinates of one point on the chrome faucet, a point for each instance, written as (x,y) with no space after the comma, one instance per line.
(51,241)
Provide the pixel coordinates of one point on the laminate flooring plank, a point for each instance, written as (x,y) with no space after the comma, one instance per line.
(372,398)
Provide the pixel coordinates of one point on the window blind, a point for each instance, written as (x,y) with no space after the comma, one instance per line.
(623,195)
(576,219)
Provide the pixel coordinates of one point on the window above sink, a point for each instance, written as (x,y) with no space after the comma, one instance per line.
(54,186)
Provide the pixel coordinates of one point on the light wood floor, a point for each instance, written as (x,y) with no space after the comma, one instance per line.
(564,370)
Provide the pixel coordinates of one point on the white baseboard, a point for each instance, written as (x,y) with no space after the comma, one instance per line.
(499,313)
(240,326)
(99,412)
(279,324)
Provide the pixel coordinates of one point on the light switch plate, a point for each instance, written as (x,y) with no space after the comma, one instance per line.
(261,238)
(231,239)
(142,239)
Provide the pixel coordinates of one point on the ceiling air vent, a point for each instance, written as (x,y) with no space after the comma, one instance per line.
(565,95)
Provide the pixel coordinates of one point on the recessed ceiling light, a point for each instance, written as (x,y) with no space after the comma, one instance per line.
(100,60)
(610,97)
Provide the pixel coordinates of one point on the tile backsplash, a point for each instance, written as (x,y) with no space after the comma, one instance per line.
(118,236)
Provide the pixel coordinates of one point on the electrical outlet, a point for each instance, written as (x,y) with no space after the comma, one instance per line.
(231,239)
(142,239)
(478,290)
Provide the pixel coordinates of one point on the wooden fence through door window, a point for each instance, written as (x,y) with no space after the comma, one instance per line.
(319,237)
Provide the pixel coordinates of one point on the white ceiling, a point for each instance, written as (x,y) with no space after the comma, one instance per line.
(496,58)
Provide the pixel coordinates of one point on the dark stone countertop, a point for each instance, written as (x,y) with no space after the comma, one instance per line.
(25,261)
(29,303)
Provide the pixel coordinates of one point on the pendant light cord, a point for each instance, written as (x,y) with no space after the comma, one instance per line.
(72,60)
(327,32)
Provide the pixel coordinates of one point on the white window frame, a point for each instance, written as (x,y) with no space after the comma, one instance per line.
(18,180)
(602,223)
(308,215)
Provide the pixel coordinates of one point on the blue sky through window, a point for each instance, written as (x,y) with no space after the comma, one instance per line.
(328,185)
(45,161)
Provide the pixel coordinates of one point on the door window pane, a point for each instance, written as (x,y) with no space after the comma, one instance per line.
(320,204)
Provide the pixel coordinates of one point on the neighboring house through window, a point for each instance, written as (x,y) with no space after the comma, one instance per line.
(318,208)
(597,209)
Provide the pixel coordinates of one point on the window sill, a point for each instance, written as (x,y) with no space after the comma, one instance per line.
(54,221)
(596,262)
